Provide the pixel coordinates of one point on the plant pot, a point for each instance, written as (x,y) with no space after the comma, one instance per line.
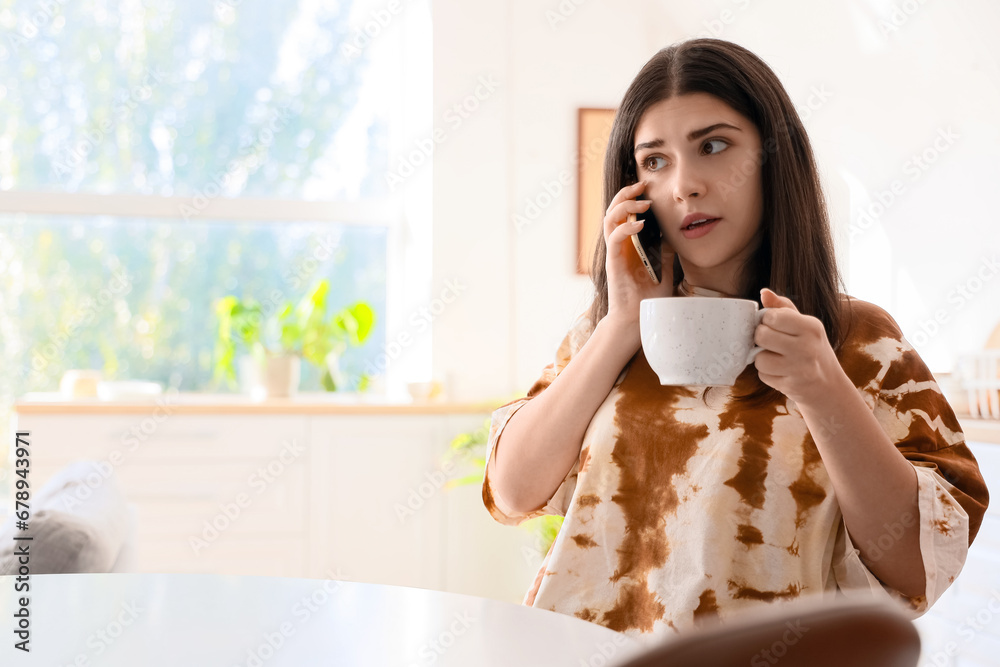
(280,376)
(269,376)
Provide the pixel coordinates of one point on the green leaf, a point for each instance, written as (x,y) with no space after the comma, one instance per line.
(327,381)
(312,307)
(365,318)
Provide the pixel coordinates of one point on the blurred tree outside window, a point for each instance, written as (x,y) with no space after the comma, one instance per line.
(162,130)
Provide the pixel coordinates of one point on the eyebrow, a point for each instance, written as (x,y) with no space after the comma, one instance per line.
(697,134)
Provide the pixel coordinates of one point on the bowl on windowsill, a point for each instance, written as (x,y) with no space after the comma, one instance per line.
(128,390)
(79,383)
(425,392)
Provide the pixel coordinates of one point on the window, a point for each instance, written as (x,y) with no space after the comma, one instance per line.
(135,297)
(155,156)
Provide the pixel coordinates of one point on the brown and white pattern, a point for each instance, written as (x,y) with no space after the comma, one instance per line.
(680,508)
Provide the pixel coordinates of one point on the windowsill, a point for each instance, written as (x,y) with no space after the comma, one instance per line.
(195,403)
(978,430)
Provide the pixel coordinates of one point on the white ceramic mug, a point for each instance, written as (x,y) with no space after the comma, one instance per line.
(699,341)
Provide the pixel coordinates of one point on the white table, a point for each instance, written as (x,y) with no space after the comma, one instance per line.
(142,620)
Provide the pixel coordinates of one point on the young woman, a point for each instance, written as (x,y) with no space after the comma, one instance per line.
(833,466)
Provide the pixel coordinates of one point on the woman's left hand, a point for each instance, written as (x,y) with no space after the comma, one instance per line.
(797,359)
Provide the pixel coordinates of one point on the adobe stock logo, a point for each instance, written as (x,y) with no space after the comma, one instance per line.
(562,12)
(915,167)
(418,323)
(963,293)
(725,364)
(419,496)
(423,149)
(899,15)
(31,25)
(364,35)
(716,27)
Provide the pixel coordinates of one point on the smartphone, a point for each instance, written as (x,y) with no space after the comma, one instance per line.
(647,242)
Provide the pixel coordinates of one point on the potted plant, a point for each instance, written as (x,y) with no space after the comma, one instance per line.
(277,343)
(470,448)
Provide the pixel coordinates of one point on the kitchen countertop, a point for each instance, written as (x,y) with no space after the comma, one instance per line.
(319,403)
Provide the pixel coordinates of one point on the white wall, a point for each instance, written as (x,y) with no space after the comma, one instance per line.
(891,82)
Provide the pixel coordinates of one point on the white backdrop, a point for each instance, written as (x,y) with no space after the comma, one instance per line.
(900,99)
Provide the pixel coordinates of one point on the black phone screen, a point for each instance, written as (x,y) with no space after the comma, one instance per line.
(650,237)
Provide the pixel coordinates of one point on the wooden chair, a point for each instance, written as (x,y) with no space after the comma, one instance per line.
(807,633)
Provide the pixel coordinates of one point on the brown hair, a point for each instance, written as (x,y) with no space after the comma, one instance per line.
(795,257)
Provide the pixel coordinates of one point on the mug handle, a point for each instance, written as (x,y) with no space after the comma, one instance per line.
(756,349)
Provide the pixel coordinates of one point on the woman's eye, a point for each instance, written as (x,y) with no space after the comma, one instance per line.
(722,143)
(653,163)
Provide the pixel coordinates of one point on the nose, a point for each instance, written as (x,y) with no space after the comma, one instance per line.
(689,182)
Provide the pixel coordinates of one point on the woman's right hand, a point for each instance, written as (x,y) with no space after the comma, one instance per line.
(628,281)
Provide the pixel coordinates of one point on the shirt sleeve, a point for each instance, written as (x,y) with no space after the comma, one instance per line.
(944,525)
(952,496)
(558,504)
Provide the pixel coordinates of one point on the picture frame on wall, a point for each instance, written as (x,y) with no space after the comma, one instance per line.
(594,129)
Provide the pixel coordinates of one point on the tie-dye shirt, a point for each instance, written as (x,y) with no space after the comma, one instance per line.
(678,510)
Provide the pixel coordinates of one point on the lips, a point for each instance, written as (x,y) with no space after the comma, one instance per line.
(698,223)
(699,229)
(697,218)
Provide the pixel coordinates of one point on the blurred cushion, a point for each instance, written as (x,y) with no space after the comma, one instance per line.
(79,522)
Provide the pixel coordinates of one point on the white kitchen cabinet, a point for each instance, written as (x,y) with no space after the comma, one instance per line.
(323,493)
(218,494)
(368,470)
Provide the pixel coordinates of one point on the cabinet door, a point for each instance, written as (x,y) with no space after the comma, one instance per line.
(212,493)
(380,485)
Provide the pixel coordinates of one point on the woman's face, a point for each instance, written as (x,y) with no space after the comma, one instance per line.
(698,155)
